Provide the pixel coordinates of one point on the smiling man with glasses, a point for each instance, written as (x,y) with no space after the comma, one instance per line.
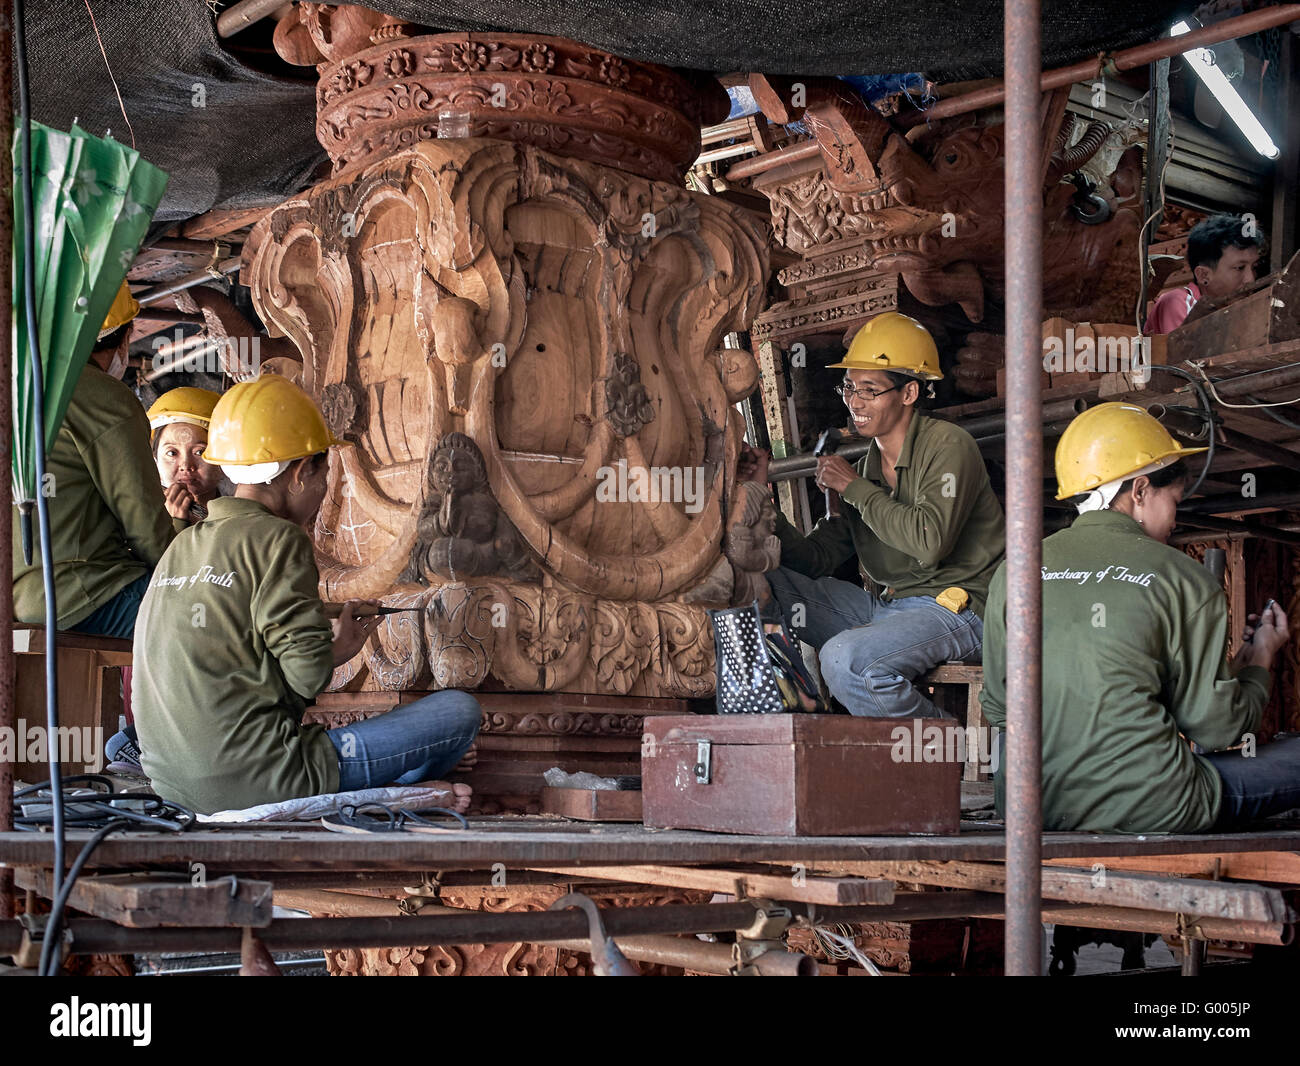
(921,520)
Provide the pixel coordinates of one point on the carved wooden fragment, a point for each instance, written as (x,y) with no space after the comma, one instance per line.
(501,960)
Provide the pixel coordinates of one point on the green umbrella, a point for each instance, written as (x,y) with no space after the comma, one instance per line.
(92,201)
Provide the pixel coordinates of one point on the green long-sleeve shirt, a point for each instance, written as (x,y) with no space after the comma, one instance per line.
(231,643)
(941,527)
(108,520)
(1134,642)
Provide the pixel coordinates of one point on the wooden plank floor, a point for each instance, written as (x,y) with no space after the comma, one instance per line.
(520,841)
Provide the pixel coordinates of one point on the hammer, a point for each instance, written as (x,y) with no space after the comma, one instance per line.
(830,438)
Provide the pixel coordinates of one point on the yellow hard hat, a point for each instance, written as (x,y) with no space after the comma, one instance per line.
(193,406)
(895,342)
(124,309)
(1109,442)
(268,420)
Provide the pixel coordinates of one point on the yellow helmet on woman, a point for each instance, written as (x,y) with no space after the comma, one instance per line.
(189,405)
(1112,442)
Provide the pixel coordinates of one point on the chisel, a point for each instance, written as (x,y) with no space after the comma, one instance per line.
(335,610)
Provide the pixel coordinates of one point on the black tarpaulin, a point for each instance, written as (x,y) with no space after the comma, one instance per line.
(253,142)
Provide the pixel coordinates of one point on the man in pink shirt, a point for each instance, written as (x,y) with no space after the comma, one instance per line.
(1222,251)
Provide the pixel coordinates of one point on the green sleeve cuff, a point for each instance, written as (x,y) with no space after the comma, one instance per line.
(1257,675)
(858,491)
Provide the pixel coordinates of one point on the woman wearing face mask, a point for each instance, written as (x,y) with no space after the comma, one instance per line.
(1134,653)
(233,639)
(179,420)
(108,523)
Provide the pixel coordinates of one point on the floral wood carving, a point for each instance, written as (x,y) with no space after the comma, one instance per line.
(382,90)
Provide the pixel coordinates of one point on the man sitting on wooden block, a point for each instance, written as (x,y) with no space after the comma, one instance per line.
(1222,251)
(921,520)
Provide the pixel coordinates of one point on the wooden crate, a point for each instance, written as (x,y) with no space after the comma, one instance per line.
(796,775)
(592,804)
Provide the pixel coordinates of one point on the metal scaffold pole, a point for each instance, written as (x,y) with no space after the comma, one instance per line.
(1024,259)
(7,693)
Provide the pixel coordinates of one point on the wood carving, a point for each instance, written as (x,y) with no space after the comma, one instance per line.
(753,547)
(928,208)
(382,92)
(501,960)
(500,330)
(467,533)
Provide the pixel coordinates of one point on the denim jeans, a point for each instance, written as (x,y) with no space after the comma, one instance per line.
(116,618)
(870,650)
(415,742)
(1255,787)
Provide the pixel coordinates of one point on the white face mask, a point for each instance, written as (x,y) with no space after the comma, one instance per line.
(117,367)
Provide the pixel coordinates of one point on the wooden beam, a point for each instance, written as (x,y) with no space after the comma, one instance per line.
(142,901)
(525,843)
(780,435)
(1280,867)
(797,886)
(1167,924)
(343,904)
(1101,885)
(218,223)
(1262,449)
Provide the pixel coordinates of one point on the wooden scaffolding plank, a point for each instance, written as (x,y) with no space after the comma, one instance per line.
(1102,886)
(1281,867)
(142,901)
(798,886)
(520,842)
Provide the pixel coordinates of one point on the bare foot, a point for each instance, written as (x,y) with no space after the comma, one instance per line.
(467,761)
(458,796)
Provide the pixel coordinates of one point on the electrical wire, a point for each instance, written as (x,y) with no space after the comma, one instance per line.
(842,947)
(38,417)
(90,801)
(107,66)
(1206,410)
(1240,406)
(1144,249)
(1275,416)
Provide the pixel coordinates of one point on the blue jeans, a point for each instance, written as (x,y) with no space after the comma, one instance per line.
(1253,788)
(415,742)
(870,650)
(116,618)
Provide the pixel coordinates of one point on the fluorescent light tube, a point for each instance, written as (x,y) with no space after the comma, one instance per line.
(1202,61)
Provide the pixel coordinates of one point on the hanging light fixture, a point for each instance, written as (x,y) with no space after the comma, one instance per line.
(1202,61)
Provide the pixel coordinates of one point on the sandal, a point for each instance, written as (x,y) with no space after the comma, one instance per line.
(380,818)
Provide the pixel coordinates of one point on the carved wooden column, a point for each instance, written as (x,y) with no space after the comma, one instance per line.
(508,302)
(498,323)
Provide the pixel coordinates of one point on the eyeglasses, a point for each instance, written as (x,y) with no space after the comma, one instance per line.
(847,392)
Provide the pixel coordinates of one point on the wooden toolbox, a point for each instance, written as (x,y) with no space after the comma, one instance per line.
(797,775)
